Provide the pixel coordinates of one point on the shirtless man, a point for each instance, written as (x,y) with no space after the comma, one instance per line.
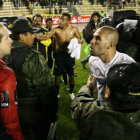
(63,35)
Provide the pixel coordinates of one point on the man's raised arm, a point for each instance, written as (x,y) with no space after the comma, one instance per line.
(47,36)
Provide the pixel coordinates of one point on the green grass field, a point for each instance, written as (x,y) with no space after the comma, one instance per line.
(66,129)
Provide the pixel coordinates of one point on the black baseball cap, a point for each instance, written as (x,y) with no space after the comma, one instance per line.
(123,81)
(22,26)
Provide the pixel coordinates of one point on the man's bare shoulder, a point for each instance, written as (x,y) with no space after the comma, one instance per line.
(72,27)
(57,28)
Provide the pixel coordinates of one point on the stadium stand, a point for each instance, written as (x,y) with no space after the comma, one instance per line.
(86,8)
(8,9)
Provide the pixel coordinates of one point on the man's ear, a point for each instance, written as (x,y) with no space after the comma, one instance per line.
(21,37)
(110,44)
(107,92)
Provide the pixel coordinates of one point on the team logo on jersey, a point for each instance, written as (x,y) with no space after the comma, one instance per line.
(30,24)
(4,99)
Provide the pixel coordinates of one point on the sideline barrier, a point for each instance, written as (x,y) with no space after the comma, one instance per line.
(74,19)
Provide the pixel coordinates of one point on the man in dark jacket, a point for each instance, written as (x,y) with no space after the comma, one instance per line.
(41,46)
(36,93)
(119,120)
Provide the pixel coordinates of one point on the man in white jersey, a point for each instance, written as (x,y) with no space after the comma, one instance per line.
(103,49)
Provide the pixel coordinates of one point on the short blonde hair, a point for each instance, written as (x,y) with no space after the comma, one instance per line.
(1,34)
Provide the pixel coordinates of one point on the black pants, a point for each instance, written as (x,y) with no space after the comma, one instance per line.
(35,132)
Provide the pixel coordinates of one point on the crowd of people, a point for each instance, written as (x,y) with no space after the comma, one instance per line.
(29,95)
(45,3)
(30,56)
(68,3)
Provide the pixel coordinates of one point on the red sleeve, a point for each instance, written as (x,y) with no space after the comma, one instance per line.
(9,115)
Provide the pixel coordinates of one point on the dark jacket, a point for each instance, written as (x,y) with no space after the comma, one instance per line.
(46,51)
(88,31)
(38,45)
(95,122)
(36,94)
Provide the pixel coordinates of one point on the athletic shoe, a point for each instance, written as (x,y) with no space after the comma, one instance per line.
(62,81)
(72,96)
(58,96)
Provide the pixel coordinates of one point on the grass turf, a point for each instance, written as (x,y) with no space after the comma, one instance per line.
(66,129)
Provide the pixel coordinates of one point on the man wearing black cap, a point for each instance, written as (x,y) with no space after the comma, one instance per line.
(36,93)
(119,120)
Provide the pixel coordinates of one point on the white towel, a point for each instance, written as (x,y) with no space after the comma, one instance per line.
(74,48)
